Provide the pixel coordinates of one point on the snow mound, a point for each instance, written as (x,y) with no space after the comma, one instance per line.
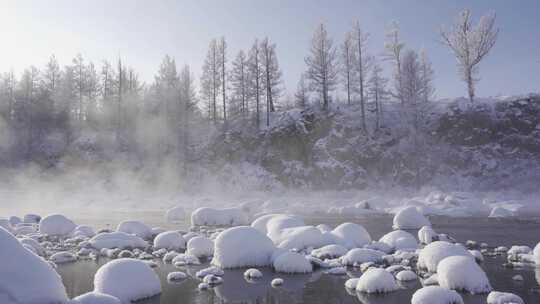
(200,246)
(435,252)
(253,273)
(170,240)
(273,223)
(498,212)
(242,246)
(209,270)
(127,279)
(292,262)
(436,295)
(116,240)
(136,228)
(14,220)
(175,214)
(406,275)
(516,249)
(300,237)
(351,235)
(410,218)
(358,256)
(426,235)
(206,216)
(83,231)
(176,276)
(277,282)
(462,273)
(25,277)
(63,257)
(95,298)
(57,225)
(496,297)
(399,239)
(329,252)
(376,280)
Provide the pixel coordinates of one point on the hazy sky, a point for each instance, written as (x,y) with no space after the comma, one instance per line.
(142,32)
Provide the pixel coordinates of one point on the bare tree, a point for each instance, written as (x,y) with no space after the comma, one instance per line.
(470,44)
(378,91)
(362,67)
(272,76)
(255,76)
(321,62)
(427,74)
(239,78)
(222,58)
(393,49)
(188,100)
(347,61)
(51,77)
(210,79)
(79,70)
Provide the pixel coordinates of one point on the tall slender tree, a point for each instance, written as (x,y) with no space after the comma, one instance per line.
(255,76)
(272,76)
(393,53)
(362,66)
(210,79)
(222,49)
(239,82)
(347,61)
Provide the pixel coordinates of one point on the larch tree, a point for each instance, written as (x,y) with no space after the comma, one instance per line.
(393,52)
(322,71)
(362,67)
(166,86)
(50,79)
(210,79)
(427,75)
(347,62)
(188,101)
(272,76)
(302,93)
(239,82)
(222,58)
(8,94)
(255,78)
(79,72)
(377,88)
(470,44)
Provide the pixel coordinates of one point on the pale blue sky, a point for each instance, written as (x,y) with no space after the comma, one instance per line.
(142,32)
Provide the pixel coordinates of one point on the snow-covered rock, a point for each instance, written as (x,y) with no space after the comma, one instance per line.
(15,220)
(242,246)
(436,295)
(127,279)
(399,239)
(376,280)
(25,277)
(517,249)
(276,282)
(31,218)
(462,273)
(200,246)
(170,240)
(406,275)
(426,235)
(358,256)
(253,273)
(206,216)
(351,283)
(116,240)
(95,298)
(435,252)
(300,237)
(175,214)
(56,225)
(292,262)
(176,276)
(136,228)
(274,223)
(210,270)
(410,218)
(39,250)
(183,259)
(83,231)
(536,253)
(329,252)
(351,235)
(63,257)
(496,297)
(498,212)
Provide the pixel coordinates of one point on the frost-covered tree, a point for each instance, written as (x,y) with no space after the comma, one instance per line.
(302,93)
(7,94)
(271,74)
(210,79)
(347,62)
(393,52)
(377,88)
(222,58)
(427,74)
(255,78)
(79,72)
(51,77)
(362,66)
(239,83)
(322,69)
(188,101)
(470,44)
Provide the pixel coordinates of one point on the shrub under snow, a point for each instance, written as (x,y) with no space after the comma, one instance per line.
(57,225)
(242,246)
(170,240)
(435,252)
(25,277)
(436,295)
(292,262)
(462,273)
(376,280)
(135,227)
(200,246)
(127,279)
(351,235)
(205,216)
(410,218)
(116,240)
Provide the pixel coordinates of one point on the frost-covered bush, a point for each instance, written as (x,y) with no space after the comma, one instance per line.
(170,240)
(436,295)
(410,218)
(57,225)
(127,279)
(462,273)
(435,252)
(291,262)
(136,228)
(376,280)
(242,246)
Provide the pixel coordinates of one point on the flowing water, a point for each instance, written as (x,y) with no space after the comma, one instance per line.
(319,287)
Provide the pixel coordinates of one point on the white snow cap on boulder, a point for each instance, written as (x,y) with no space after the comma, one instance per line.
(127,279)
(436,295)
(376,280)
(57,225)
(84,231)
(25,277)
(496,297)
(410,218)
(200,246)
(170,240)
(351,235)
(175,214)
(206,216)
(136,228)
(462,273)
(426,235)
(95,298)
(242,246)
(399,239)
(435,252)
(292,262)
(362,255)
(117,240)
